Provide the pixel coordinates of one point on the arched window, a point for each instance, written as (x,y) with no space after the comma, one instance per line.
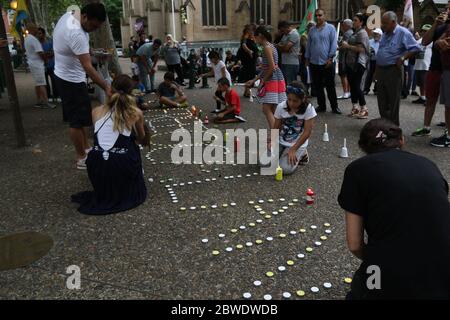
(261,9)
(214,12)
(299,9)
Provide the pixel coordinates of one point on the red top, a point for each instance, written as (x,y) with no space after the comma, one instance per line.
(232,99)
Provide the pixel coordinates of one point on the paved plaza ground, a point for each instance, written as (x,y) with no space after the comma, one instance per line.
(156,251)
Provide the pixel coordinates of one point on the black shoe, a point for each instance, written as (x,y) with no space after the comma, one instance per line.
(419,101)
(414,94)
(321,109)
(337,110)
(441,142)
(441,124)
(366,92)
(404,96)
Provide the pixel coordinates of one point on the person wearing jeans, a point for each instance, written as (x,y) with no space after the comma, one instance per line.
(290,50)
(320,54)
(149,55)
(356,60)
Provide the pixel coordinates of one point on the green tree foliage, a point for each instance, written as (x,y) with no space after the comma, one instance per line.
(114,9)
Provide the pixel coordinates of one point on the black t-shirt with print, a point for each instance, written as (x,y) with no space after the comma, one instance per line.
(436,64)
(403,199)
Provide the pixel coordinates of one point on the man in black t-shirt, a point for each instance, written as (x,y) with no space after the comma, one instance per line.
(433,79)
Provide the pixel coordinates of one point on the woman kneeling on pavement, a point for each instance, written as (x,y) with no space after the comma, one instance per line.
(401,201)
(114,164)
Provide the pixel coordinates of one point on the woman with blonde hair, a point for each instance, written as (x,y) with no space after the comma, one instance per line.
(114,164)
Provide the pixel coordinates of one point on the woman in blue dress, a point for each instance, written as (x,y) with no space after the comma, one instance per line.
(114,164)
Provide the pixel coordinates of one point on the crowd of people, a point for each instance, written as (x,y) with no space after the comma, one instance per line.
(387,201)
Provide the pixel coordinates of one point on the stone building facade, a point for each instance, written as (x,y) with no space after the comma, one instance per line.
(212,20)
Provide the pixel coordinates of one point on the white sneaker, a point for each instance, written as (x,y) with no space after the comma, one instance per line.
(58,100)
(347,95)
(81,164)
(48,106)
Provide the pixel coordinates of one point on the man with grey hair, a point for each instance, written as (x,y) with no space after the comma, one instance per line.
(396,46)
(347,32)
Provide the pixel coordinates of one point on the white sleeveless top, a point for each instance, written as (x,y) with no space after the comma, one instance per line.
(107,137)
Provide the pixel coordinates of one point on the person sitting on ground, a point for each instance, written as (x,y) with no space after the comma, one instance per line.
(219,70)
(401,201)
(114,164)
(139,93)
(170,93)
(295,120)
(232,111)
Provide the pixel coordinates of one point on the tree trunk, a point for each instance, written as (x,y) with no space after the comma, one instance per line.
(103,38)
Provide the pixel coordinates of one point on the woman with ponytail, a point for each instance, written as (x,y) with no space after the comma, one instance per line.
(114,164)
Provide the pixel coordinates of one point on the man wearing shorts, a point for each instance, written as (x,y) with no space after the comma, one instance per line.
(433,77)
(72,63)
(36,63)
(444,46)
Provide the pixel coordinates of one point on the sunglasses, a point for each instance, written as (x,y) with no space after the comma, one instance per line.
(295,90)
(319,15)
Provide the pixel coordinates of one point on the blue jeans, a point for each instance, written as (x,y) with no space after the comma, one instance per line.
(290,72)
(147,80)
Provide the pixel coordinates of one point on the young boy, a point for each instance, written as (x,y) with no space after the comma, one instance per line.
(170,93)
(232,111)
(134,65)
(219,70)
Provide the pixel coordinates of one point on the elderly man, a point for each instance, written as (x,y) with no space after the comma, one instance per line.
(347,32)
(290,50)
(396,46)
(320,54)
(36,61)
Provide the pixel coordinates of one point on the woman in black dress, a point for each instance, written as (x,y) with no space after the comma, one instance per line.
(401,201)
(114,164)
(247,55)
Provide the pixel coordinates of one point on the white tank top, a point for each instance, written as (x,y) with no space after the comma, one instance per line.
(107,137)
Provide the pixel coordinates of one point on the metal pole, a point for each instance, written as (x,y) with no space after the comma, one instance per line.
(11,83)
(173,22)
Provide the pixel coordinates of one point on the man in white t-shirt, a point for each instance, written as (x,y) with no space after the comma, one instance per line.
(72,63)
(423,61)
(36,63)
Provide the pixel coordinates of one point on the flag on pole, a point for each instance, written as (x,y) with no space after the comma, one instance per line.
(309,16)
(408,15)
(20,15)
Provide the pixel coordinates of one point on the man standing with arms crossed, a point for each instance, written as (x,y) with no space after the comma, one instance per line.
(396,46)
(72,63)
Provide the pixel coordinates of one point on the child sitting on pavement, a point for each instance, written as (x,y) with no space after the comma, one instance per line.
(170,93)
(295,119)
(232,103)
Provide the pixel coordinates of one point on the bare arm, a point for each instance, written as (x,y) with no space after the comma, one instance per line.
(355,234)
(85,60)
(139,125)
(269,54)
(429,35)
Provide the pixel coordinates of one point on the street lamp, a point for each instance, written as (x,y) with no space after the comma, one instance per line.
(13,5)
